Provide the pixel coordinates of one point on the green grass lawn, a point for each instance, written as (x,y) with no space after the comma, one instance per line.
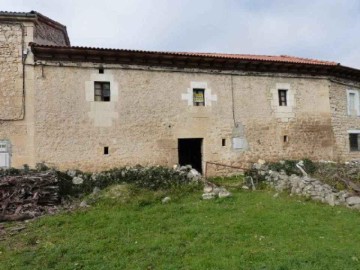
(251,230)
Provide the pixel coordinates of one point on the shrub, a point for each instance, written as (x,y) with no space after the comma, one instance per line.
(152,178)
(309,166)
(10,171)
(289,166)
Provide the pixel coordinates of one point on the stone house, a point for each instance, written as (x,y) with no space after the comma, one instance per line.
(95,108)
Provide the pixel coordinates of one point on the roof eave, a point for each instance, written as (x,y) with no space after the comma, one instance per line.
(181,60)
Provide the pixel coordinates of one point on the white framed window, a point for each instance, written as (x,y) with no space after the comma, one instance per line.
(353,102)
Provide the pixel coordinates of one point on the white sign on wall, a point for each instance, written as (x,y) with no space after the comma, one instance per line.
(239,143)
(4,154)
(4,160)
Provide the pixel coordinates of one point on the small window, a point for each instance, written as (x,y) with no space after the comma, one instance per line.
(353,105)
(101,70)
(286,139)
(354,142)
(223,142)
(199,97)
(282,97)
(3,146)
(102,91)
(106,150)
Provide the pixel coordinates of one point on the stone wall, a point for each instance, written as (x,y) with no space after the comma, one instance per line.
(304,185)
(341,121)
(147,116)
(15,110)
(11,77)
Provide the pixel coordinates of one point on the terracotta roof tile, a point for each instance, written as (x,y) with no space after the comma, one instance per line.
(250,57)
(271,58)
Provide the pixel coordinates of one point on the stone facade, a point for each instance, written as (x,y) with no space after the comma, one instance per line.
(11,81)
(17,79)
(151,108)
(15,125)
(147,115)
(341,121)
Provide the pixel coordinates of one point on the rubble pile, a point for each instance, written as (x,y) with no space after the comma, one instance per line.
(27,196)
(211,191)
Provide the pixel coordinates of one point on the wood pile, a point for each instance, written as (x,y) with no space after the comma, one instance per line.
(27,196)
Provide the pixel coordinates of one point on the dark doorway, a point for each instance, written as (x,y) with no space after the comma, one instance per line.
(190,153)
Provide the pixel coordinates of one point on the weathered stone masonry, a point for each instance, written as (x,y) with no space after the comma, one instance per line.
(340,120)
(151,104)
(11,83)
(17,79)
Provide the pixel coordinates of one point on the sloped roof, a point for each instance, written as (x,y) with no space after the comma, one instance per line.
(214,61)
(270,58)
(250,57)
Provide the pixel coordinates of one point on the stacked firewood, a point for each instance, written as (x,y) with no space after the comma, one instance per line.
(29,195)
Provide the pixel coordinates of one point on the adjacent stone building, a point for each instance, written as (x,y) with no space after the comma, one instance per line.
(94,108)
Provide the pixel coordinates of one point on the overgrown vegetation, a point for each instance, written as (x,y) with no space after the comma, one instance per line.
(289,166)
(337,175)
(152,178)
(286,166)
(127,226)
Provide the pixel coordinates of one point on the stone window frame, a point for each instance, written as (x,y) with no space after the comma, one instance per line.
(209,98)
(283,113)
(102,114)
(356,104)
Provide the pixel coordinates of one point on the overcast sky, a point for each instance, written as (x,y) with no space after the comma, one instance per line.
(321,29)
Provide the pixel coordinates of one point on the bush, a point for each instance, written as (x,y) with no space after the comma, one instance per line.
(289,166)
(10,171)
(152,178)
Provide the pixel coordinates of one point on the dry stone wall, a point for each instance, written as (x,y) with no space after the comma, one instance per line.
(306,186)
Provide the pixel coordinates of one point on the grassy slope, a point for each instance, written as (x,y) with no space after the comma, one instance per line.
(251,230)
